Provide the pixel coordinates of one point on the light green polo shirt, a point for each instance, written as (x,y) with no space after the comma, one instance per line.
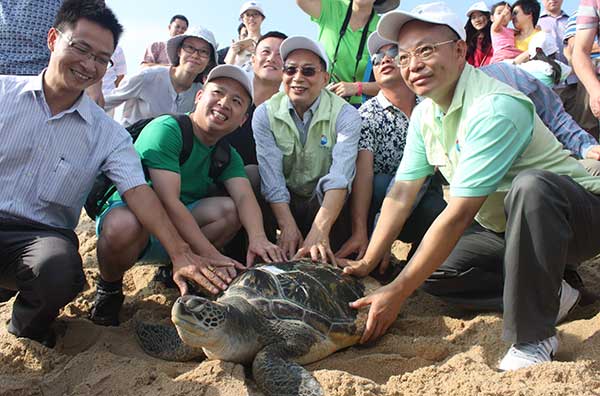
(489,134)
(330,22)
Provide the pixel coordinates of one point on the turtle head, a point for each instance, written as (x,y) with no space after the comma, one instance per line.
(198,320)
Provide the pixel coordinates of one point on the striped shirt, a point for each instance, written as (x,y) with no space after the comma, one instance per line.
(588,14)
(48,163)
(548,106)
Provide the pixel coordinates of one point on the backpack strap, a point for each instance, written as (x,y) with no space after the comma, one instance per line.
(187,136)
(219,159)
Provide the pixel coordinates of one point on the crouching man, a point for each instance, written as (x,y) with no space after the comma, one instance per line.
(205,223)
(534,206)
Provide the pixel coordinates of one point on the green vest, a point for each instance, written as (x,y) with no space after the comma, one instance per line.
(304,165)
(543,152)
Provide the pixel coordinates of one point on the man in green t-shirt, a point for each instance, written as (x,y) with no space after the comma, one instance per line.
(534,206)
(205,223)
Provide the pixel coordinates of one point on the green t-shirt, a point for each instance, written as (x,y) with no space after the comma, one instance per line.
(330,22)
(159,146)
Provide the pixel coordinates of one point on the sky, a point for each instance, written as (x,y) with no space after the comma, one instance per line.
(146,21)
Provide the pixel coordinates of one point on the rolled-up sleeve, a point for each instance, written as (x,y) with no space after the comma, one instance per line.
(343,167)
(270,159)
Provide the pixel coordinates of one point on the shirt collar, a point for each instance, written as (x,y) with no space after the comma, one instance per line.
(383,101)
(562,14)
(311,110)
(83,105)
(459,91)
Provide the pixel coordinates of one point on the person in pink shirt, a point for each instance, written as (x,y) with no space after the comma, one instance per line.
(503,38)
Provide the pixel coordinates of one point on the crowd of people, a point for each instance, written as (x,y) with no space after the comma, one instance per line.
(277,148)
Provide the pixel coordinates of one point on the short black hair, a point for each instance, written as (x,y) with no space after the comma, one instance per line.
(93,10)
(498,4)
(240,27)
(272,33)
(529,7)
(179,16)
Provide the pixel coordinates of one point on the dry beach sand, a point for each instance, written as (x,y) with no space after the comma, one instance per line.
(432,349)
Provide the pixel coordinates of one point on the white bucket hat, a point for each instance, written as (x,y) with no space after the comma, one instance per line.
(479,6)
(235,73)
(381,7)
(438,13)
(251,5)
(175,42)
(300,42)
(375,42)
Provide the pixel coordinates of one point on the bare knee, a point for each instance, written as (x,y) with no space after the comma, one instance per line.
(121,228)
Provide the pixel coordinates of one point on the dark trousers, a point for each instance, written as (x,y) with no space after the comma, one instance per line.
(44,266)
(552,222)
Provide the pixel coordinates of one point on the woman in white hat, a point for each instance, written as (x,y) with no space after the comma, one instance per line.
(167,89)
(252,17)
(344,26)
(479,40)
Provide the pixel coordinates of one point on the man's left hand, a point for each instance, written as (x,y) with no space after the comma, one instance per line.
(268,251)
(317,246)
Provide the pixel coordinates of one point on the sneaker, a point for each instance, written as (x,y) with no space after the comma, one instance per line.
(106,308)
(569,297)
(529,353)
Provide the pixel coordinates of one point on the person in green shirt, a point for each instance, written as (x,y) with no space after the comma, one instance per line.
(534,205)
(205,223)
(347,71)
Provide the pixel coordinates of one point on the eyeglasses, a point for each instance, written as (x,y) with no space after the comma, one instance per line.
(377,57)
(306,71)
(423,52)
(81,49)
(190,49)
(249,14)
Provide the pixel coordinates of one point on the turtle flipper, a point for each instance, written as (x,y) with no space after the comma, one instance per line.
(276,376)
(162,341)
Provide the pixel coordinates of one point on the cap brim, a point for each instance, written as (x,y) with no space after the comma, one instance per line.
(235,73)
(386,6)
(294,43)
(390,24)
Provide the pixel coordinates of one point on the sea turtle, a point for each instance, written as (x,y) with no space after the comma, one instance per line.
(273,318)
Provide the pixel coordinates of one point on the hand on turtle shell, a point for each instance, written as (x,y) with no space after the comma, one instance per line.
(384,307)
(290,240)
(268,251)
(357,243)
(360,268)
(317,246)
(202,271)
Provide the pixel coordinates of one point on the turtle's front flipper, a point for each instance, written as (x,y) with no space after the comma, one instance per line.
(277,376)
(162,341)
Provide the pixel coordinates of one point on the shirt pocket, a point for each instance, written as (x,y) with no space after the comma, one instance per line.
(286,145)
(65,185)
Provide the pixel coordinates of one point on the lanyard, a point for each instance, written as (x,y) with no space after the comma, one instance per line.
(361,46)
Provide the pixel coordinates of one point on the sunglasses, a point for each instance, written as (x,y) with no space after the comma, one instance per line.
(377,57)
(306,71)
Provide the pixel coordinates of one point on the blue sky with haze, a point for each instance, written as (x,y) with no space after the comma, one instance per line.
(146,21)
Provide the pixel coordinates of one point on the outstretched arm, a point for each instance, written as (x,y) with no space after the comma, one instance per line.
(582,64)
(311,7)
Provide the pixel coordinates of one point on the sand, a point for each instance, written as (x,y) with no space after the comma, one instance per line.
(432,349)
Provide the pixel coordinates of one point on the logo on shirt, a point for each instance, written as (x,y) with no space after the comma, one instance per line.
(457,146)
(323,140)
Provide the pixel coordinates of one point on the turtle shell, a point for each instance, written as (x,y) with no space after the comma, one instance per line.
(316,294)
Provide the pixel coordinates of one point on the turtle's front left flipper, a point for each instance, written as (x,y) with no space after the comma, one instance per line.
(162,341)
(276,376)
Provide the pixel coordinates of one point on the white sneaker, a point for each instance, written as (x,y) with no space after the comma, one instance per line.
(569,297)
(529,353)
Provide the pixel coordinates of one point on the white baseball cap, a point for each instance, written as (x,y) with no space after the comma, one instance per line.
(251,5)
(437,13)
(235,73)
(479,6)
(199,32)
(301,42)
(375,42)
(544,42)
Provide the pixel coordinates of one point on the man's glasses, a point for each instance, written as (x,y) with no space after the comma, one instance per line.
(306,71)
(202,52)
(423,52)
(81,49)
(377,57)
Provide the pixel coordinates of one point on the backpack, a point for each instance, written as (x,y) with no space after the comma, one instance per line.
(103,187)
